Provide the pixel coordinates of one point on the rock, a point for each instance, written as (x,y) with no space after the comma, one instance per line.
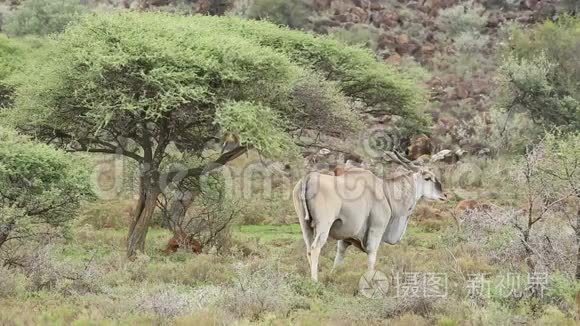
(403,39)
(377,5)
(320,5)
(405,45)
(442,155)
(461,91)
(484,152)
(382,19)
(342,18)
(386,41)
(529,4)
(394,59)
(428,49)
(362,3)
(420,145)
(358,15)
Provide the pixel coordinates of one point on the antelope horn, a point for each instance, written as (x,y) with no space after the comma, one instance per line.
(406,160)
(399,160)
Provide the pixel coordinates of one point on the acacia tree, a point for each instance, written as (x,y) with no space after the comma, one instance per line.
(142,85)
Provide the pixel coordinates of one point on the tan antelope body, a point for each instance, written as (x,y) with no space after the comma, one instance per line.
(358,208)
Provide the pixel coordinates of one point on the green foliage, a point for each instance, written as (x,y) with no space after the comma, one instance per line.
(561,163)
(14,53)
(471,42)
(39,186)
(43,17)
(541,71)
(9,59)
(462,18)
(573,6)
(257,126)
(291,13)
(115,70)
(381,88)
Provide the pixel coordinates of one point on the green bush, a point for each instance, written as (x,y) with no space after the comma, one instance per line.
(40,188)
(291,13)
(471,42)
(13,55)
(540,73)
(462,18)
(43,17)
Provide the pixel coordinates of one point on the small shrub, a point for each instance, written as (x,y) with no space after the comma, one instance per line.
(471,42)
(195,270)
(255,293)
(11,282)
(42,17)
(165,302)
(291,13)
(114,214)
(360,34)
(46,271)
(41,189)
(462,18)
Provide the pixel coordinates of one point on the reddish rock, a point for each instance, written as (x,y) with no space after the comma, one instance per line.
(388,19)
(529,4)
(428,49)
(343,18)
(386,41)
(402,39)
(420,145)
(320,5)
(358,15)
(377,5)
(405,45)
(461,91)
(366,4)
(394,59)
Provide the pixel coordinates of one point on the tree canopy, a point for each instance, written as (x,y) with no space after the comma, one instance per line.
(137,84)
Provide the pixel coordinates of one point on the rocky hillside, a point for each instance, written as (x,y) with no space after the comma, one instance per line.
(456,42)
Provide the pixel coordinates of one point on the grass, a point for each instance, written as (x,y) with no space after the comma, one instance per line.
(267,233)
(268,286)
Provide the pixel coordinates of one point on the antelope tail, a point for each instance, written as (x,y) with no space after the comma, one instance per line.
(303,194)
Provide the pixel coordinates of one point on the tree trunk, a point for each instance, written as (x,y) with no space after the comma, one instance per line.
(3,238)
(5,232)
(142,216)
(529,252)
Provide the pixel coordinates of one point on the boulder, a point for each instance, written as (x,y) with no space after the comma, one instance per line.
(420,145)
